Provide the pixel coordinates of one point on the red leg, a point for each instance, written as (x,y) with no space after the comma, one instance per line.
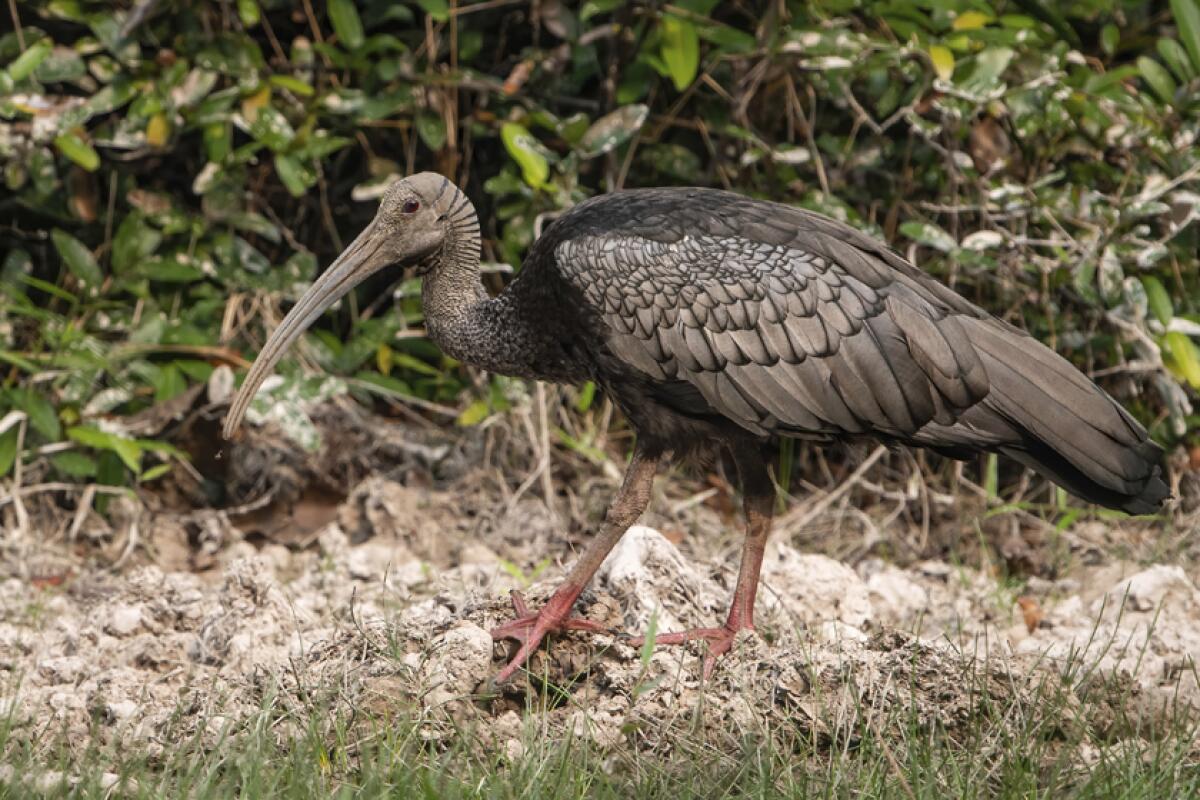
(626,507)
(758,502)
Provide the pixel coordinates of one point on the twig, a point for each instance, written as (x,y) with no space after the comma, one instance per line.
(131,543)
(693,501)
(20,419)
(798,111)
(59,486)
(81,511)
(800,517)
(16,20)
(316,31)
(462,11)
(546,471)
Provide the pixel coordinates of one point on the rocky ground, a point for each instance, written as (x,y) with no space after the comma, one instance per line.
(377,606)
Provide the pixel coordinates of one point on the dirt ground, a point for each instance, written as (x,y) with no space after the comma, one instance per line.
(378,605)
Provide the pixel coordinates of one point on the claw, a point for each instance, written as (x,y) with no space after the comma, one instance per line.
(529,629)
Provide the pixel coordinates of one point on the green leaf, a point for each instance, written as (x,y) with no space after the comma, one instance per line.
(1185,359)
(613,130)
(9,357)
(90,437)
(586,395)
(928,234)
(680,50)
(127,450)
(473,414)
(296,176)
(346,23)
(432,130)
(991,476)
(1110,37)
(271,128)
(174,269)
(409,361)
(942,60)
(1187,17)
(1158,299)
(248,12)
(134,241)
(74,464)
(526,151)
(8,450)
(988,67)
(970,21)
(72,145)
(384,384)
(41,414)
(24,65)
(218,141)
(1159,79)
(1177,59)
(293,85)
(78,258)
(168,383)
(438,9)
(157,471)
(111,472)
(594,8)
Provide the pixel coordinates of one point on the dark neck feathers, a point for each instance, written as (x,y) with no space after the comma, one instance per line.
(506,334)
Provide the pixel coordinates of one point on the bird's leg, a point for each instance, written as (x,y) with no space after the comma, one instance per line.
(758,504)
(555,615)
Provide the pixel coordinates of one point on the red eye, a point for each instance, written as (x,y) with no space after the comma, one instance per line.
(410,206)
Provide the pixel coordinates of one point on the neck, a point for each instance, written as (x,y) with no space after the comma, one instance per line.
(460,317)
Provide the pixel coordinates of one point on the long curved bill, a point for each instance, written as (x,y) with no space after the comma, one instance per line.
(359,260)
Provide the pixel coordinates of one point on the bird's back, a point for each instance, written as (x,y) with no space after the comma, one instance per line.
(783,321)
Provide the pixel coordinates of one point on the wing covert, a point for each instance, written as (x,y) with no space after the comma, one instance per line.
(780,329)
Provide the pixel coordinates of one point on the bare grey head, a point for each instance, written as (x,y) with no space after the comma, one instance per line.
(423,221)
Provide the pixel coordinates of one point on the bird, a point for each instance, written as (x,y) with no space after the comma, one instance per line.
(718,321)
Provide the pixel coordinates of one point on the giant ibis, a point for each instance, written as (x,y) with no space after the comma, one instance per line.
(715,320)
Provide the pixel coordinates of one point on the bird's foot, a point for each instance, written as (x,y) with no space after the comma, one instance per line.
(719,640)
(529,628)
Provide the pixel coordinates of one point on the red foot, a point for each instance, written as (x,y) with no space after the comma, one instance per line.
(719,640)
(529,629)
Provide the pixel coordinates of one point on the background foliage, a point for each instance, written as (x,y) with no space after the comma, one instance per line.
(175,172)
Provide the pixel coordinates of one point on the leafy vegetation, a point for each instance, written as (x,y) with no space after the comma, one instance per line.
(174,173)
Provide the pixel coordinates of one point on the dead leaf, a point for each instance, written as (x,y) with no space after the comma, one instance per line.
(989,146)
(83,194)
(516,79)
(1032,611)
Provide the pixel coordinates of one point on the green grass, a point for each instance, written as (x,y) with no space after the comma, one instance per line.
(1009,750)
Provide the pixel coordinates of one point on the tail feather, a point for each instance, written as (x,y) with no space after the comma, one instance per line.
(1041,411)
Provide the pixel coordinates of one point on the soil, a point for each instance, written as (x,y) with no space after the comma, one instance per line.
(371,592)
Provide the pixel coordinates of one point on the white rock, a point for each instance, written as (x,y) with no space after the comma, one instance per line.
(895,596)
(48,781)
(62,669)
(373,559)
(1147,589)
(651,577)
(835,632)
(124,620)
(464,660)
(119,710)
(813,588)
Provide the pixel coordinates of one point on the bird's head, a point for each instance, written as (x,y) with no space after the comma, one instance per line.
(416,218)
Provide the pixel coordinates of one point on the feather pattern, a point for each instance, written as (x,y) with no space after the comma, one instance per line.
(712,306)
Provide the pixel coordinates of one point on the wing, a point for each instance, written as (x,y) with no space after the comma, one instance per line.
(785,321)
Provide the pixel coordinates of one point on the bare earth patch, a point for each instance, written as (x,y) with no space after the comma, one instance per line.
(385,613)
